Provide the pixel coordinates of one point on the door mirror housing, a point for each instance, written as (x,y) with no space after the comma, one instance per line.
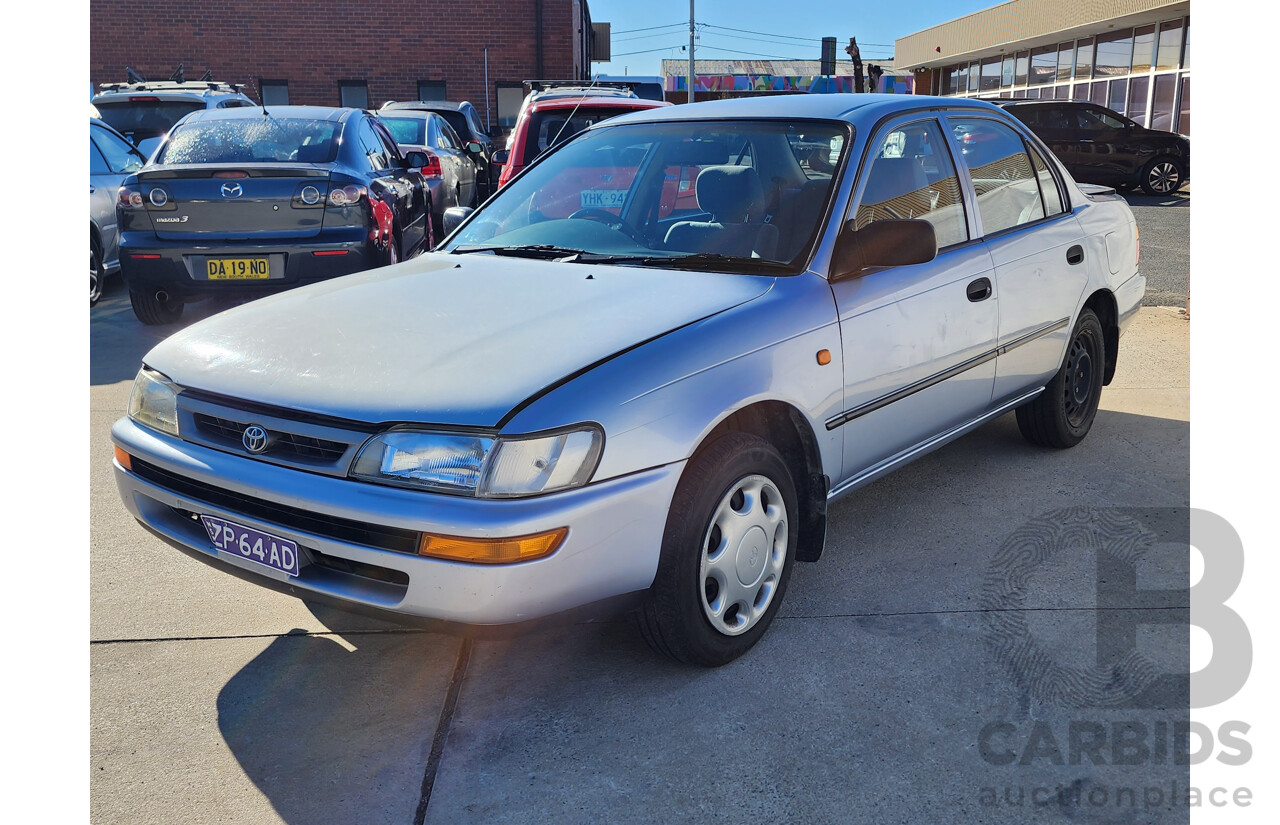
(500,157)
(881,244)
(474,147)
(454,216)
(415,160)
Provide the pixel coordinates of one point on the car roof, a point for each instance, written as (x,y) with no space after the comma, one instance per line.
(427,105)
(853,108)
(169,89)
(255,111)
(622,104)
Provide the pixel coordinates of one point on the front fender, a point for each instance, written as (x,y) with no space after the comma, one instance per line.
(659,401)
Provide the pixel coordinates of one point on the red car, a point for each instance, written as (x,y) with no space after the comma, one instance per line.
(547,122)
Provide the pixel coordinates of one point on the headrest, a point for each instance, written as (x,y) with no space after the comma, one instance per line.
(730,193)
(891,178)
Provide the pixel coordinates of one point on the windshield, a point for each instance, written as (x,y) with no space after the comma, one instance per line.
(741,190)
(252,140)
(556,126)
(410,131)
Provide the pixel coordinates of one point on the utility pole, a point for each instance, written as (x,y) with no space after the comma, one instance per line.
(691,30)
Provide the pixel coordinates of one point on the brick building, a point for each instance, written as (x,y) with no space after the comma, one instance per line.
(349,52)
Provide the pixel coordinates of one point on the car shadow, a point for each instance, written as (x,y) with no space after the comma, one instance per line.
(1180,200)
(118,340)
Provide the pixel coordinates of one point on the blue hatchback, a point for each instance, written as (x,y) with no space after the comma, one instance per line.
(250,201)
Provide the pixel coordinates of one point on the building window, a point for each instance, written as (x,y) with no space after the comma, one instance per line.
(1098,92)
(1021,62)
(1184,108)
(274,92)
(974,69)
(1144,41)
(1186,47)
(958,80)
(510,96)
(1066,56)
(1006,71)
(353,93)
(1137,107)
(1115,54)
(1044,65)
(1116,95)
(990,75)
(1062,92)
(1170,44)
(1084,59)
(431,90)
(1162,102)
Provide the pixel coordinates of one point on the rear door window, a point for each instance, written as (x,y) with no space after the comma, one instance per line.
(1004,182)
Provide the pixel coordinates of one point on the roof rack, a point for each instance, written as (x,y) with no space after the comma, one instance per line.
(177,82)
(544,85)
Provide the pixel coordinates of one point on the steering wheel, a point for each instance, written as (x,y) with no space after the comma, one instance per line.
(610,220)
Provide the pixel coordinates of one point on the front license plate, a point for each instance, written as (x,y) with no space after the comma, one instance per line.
(237,269)
(254,545)
(603,198)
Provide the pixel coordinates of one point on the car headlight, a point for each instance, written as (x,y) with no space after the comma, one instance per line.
(481,465)
(154,401)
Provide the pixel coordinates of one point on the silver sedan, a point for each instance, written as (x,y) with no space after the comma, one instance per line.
(639,373)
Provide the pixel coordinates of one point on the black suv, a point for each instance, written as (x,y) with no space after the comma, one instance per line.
(1098,145)
(465,120)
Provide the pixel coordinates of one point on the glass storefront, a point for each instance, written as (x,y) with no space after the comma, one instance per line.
(1142,73)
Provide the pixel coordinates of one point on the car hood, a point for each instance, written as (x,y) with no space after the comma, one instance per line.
(441,339)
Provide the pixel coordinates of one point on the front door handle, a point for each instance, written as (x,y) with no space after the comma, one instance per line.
(979,290)
(1075,254)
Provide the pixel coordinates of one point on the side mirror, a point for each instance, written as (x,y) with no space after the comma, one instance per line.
(415,160)
(881,244)
(454,216)
(474,147)
(500,157)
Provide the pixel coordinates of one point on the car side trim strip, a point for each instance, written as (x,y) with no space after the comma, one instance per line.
(893,462)
(937,378)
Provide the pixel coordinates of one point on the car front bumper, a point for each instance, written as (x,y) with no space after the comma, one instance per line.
(615,532)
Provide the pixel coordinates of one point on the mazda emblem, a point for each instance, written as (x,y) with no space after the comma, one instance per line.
(255,438)
(231,190)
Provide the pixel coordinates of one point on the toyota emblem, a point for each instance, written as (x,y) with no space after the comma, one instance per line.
(255,438)
(231,190)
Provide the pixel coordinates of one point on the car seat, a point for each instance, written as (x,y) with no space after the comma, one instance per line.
(735,200)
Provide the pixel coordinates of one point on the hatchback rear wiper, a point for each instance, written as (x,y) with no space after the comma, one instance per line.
(538,250)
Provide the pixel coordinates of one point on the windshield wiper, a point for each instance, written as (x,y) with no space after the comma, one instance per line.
(538,250)
(714,262)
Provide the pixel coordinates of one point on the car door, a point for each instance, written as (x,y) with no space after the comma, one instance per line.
(404,186)
(919,341)
(464,169)
(111,159)
(1036,246)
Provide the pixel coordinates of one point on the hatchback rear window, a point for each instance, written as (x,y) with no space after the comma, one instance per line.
(406,130)
(546,129)
(137,119)
(252,140)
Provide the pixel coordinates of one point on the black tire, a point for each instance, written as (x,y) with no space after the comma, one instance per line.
(97,275)
(391,255)
(674,618)
(152,311)
(1061,416)
(1163,176)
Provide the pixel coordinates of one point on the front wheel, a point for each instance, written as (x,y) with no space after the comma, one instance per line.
(726,554)
(97,275)
(1062,415)
(1163,176)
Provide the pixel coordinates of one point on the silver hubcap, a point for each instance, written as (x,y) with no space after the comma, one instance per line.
(1164,177)
(743,555)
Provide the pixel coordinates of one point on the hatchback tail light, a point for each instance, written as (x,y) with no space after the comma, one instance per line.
(347,195)
(432,169)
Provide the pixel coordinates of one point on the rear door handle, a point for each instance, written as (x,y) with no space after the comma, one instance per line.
(1075,254)
(979,290)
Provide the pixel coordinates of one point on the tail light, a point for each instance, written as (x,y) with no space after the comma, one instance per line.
(347,195)
(129,198)
(433,169)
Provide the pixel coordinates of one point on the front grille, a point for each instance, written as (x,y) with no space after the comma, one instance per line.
(284,445)
(339,529)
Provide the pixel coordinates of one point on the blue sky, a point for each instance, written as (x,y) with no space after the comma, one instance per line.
(646,32)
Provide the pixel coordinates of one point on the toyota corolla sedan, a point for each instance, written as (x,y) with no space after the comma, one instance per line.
(647,403)
(249,201)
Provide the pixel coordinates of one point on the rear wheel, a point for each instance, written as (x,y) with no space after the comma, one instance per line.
(726,554)
(1062,415)
(391,255)
(153,311)
(97,275)
(1163,176)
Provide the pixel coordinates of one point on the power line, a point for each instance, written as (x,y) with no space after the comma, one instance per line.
(650,28)
(786,36)
(777,43)
(647,51)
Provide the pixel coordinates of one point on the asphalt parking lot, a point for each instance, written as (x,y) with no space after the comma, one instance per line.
(892,687)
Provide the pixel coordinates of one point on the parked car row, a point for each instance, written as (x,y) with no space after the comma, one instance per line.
(635,377)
